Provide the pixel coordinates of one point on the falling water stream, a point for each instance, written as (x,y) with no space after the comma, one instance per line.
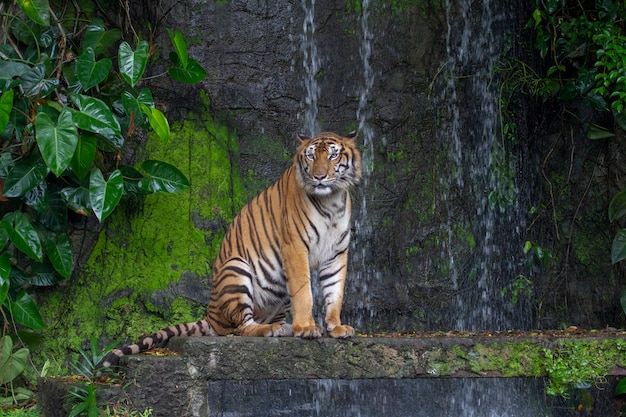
(481,174)
(311,63)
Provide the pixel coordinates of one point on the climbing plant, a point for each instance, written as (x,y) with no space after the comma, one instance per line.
(71,94)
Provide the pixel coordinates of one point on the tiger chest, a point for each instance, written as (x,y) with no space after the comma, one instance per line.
(328,232)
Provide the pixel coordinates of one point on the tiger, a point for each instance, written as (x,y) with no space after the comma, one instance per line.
(299,225)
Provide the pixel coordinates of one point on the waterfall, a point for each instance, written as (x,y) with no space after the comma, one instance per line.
(361,271)
(311,63)
(482,174)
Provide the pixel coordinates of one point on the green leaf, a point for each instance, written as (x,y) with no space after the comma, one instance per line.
(84,155)
(618,249)
(131,180)
(179,47)
(35,84)
(617,206)
(133,64)
(5,272)
(158,122)
(6,163)
(12,363)
(57,142)
(77,199)
(98,39)
(132,104)
(44,276)
(36,10)
(25,312)
(11,69)
(622,301)
(190,74)
(163,177)
(95,116)
(6,105)
(596,132)
(54,217)
(60,254)
(37,198)
(23,234)
(105,195)
(25,176)
(91,72)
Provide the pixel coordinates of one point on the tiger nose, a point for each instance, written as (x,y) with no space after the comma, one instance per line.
(319,177)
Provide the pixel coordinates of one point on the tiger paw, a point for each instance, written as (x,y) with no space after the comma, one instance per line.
(341,332)
(307,332)
(284,331)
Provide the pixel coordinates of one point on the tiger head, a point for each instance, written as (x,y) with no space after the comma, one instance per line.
(327,163)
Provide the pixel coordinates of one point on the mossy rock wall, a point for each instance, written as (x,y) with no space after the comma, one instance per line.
(417,245)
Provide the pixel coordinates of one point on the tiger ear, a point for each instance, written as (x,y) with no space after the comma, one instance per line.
(352,135)
(303,138)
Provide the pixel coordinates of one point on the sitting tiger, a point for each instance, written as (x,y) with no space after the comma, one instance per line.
(298,225)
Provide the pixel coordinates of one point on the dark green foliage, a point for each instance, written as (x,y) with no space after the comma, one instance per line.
(584,46)
(68,103)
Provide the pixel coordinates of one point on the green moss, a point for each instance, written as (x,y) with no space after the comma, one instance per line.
(440,362)
(149,242)
(568,364)
(509,359)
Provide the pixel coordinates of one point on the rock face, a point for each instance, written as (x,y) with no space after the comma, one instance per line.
(446,207)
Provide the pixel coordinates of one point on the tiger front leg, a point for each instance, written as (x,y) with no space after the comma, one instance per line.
(296,265)
(332,280)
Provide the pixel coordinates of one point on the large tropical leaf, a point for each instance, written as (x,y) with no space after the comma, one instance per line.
(11,69)
(25,312)
(180,48)
(185,69)
(91,72)
(35,84)
(23,234)
(162,177)
(60,254)
(105,195)
(36,10)
(133,63)
(37,198)
(132,105)
(6,105)
(5,272)
(84,155)
(191,73)
(57,142)
(158,122)
(131,180)
(77,199)
(95,116)
(12,363)
(25,176)
(99,39)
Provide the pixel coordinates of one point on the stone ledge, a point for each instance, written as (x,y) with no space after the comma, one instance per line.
(240,358)
(203,369)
